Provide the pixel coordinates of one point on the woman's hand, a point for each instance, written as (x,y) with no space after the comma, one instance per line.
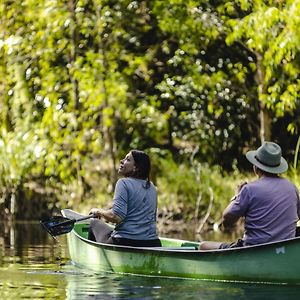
(97,212)
(106,214)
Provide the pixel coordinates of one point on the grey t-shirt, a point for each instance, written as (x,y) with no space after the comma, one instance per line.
(271,209)
(136,206)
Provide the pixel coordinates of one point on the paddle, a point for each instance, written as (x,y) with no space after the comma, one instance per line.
(60,225)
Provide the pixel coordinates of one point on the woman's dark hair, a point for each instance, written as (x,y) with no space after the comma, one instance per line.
(143,165)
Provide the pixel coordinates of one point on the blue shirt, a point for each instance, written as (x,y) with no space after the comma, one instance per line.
(271,208)
(136,206)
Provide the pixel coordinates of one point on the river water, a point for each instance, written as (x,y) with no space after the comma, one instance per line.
(35,266)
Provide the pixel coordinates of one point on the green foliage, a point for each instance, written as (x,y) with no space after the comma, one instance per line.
(82,82)
(20,156)
(294,168)
(184,184)
(270,30)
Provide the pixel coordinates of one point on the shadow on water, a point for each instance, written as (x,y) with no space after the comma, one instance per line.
(35,266)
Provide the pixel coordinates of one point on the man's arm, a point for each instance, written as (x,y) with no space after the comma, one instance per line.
(229,220)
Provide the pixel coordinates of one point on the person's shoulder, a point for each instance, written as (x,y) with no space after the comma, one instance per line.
(127,181)
(122,181)
(281,182)
(251,187)
(289,182)
(285,181)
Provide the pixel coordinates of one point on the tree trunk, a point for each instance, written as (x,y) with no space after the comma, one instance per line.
(265,123)
(74,50)
(75,86)
(264,114)
(107,130)
(5,121)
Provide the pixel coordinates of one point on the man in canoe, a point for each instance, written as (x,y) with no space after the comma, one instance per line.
(270,204)
(134,207)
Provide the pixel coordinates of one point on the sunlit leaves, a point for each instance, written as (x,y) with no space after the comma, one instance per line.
(21,154)
(96,78)
(188,21)
(271,29)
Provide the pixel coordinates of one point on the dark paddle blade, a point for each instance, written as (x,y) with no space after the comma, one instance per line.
(58,225)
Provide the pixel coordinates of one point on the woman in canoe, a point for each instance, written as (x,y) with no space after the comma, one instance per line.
(134,207)
(270,204)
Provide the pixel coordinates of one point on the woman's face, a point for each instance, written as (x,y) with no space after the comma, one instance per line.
(127,165)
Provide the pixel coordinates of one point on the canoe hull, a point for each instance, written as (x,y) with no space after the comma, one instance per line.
(273,262)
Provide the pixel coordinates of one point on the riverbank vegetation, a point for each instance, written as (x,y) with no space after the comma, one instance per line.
(194,83)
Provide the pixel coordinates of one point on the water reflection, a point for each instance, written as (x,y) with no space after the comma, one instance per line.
(113,286)
(17,283)
(34,265)
(28,243)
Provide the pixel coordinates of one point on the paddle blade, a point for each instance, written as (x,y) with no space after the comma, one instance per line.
(58,225)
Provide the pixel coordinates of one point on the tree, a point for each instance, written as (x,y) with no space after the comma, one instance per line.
(269,29)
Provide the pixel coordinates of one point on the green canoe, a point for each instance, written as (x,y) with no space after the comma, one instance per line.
(269,263)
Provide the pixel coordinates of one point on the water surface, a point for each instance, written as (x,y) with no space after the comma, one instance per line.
(35,266)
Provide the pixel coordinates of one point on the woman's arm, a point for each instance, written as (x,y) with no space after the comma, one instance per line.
(108,215)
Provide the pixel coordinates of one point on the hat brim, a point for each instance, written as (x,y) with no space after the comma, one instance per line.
(250,155)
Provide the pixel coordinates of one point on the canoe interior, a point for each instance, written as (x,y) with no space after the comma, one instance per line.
(83,228)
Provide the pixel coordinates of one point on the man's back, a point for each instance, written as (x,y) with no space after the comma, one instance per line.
(271,209)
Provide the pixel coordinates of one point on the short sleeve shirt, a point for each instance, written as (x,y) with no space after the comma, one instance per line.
(136,205)
(271,208)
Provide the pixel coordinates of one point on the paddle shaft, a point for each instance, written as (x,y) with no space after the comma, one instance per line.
(73,221)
